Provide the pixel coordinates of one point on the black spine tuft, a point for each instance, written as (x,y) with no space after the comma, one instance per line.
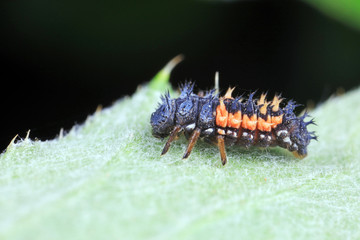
(186,89)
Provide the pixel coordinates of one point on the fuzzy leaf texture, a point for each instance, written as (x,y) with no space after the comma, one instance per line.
(105,179)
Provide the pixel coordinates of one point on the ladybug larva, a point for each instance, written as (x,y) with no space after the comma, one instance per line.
(226,120)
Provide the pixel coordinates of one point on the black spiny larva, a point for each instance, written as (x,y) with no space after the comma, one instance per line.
(231,121)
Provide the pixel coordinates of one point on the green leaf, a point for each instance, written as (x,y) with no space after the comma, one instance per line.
(105,179)
(346,11)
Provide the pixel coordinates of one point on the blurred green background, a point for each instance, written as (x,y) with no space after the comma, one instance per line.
(60,59)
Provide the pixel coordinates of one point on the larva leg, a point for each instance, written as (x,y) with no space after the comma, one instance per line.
(194,137)
(221,146)
(172,137)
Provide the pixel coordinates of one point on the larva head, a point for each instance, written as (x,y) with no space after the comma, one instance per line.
(300,136)
(162,120)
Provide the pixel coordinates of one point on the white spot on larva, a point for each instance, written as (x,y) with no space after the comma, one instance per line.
(221,131)
(190,127)
(262,136)
(287,140)
(209,131)
(269,138)
(245,134)
(251,136)
(229,132)
(281,131)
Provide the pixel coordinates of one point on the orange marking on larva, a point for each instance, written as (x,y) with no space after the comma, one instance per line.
(263,125)
(234,120)
(275,120)
(249,123)
(263,109)
(228,93)
(262,99)
(276,103)
(221,115)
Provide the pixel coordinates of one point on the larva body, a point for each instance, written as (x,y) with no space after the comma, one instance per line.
(231,121)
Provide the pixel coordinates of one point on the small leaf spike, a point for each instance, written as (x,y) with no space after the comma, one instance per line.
(161,80)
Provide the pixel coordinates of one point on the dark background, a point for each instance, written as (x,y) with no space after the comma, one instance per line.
(61,59)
